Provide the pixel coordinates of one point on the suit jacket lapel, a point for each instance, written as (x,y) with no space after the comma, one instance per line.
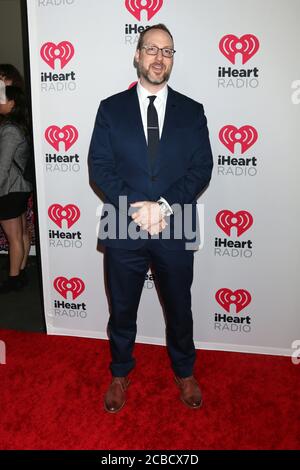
(136,117)
(170,115)
(135,122)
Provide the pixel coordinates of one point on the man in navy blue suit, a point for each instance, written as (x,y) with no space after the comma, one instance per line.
(150,157)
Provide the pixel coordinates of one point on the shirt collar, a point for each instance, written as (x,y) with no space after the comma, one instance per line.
(143,93)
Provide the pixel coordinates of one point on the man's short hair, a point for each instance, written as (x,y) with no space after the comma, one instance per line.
(160,26)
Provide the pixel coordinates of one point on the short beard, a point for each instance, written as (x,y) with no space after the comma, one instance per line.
(142,72)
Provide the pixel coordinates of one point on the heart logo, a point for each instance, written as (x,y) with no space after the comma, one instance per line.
(246,45)
(242,220)
(135,7)
(246,136)
(67,134)
(58,213)
(75,285)
(50,52)
(240,298)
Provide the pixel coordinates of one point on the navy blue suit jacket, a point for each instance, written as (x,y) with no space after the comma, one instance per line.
(119,164)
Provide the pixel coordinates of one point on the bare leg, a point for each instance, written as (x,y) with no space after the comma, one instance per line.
(14,232)
(26,240)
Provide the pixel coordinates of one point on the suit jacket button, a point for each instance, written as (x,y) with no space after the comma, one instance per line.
(153,178)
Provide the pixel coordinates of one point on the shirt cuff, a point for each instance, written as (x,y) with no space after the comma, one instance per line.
(167,210)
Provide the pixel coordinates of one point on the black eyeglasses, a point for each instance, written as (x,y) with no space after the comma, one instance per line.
(153,50)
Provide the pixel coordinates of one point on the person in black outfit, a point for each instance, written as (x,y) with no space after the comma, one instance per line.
(14,188)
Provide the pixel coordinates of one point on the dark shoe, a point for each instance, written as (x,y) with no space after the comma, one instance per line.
(115,396)
(190,391)
(12,283)
(24,276)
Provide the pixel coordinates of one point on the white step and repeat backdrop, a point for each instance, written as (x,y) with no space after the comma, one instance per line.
(241,60)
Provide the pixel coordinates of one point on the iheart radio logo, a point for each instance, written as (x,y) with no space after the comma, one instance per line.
(135,7)
(67,134)
(246,136)
(63,51)
(75,285)
(242,220)
(240,298)
(58,213)
(246,45)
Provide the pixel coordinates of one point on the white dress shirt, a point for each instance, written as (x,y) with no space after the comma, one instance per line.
(160,106)
(159,103)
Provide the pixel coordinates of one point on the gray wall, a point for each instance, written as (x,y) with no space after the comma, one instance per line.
(11,48)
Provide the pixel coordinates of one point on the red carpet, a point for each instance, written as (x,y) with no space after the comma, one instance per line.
(52,389)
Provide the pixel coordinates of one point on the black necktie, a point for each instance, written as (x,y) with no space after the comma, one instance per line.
(153,129)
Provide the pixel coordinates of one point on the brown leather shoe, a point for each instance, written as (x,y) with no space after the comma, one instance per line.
(190,391)
(115,396)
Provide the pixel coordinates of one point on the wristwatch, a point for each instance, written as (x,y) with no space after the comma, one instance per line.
(165,210)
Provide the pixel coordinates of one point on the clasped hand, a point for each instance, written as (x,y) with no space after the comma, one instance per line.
(149,217)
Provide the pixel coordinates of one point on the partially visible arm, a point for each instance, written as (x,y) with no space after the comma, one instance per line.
(102,166)
(9,141)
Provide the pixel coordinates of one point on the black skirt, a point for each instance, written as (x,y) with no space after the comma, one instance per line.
(13,205)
